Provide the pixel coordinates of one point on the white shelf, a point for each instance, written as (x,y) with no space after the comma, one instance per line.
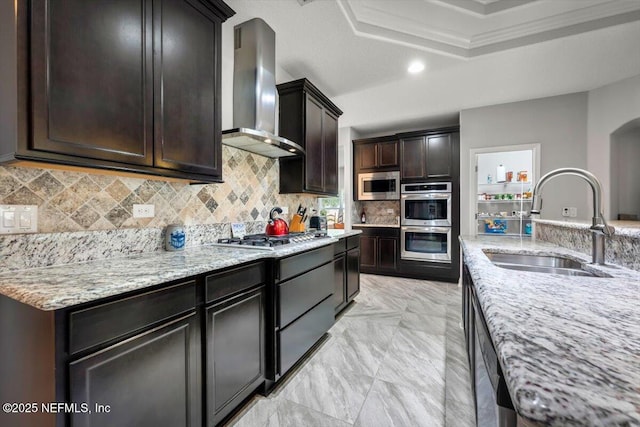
(506,183)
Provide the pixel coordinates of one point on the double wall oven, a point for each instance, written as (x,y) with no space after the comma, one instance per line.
(426,222)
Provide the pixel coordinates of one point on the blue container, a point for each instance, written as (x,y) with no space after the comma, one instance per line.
(527,228)
(496,226)
(175,238)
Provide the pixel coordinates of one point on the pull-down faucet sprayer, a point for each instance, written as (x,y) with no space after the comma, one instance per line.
(599,228)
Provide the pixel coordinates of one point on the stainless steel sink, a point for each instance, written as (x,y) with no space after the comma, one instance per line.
(540,264)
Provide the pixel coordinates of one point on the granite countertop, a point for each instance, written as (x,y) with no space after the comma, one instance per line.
(569,346)
(622,228)
(377,225)
(62,286)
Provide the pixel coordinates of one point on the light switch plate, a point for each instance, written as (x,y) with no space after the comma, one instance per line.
(17,219)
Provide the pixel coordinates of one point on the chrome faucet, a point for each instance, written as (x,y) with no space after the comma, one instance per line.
(599,228)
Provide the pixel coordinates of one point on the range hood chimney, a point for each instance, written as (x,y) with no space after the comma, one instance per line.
(254,93)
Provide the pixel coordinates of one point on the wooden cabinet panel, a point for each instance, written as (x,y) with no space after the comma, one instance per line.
(439,156)
(107,322)
(387,253)
(368,251)
(313,142)
(187,106)
(430,155)
(152,379)
(127,85)
(370,155)
(353,273)
(379,250)
(297,338)
(92,79)
(317,172)
(339,283)
(235,352)
(365,156)
(413,158)
(387,154)
(330,147)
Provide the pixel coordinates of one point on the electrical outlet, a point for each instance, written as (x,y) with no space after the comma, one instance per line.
(285,210)
(390,211)
(16,219)
(144,211)
(570,212)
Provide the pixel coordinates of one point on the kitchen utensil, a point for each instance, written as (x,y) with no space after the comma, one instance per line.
(276,226)
(296,225)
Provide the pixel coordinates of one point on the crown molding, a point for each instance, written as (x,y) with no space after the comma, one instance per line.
(365,23)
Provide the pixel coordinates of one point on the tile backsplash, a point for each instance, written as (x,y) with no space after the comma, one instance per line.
(87,217)
(376,211)
(76,201)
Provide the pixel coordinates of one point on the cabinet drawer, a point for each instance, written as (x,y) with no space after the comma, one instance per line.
(302,334)
(353,242)
(300,294)
(234,281)
(102,323)
(294,265)
(339,247)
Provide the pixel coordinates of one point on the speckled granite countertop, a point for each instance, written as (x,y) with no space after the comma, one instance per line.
(62,286)
(377,225)
(622,228)
(569,346)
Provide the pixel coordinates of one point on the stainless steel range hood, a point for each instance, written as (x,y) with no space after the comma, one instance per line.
(254,93)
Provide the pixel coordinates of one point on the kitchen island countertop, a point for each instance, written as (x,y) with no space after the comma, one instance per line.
(569,346)
(62,286)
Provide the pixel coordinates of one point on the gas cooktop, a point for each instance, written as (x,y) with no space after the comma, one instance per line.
(262,241)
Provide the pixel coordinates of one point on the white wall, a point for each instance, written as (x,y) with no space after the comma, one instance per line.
(558,124)
(345,136)
(610,107)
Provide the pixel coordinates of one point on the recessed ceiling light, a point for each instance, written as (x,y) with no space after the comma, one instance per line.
(293,150)
(415,67)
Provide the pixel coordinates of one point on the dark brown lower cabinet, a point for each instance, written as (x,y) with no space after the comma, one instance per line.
(379,250)
(339,283)
(235,351)
(353,273)
(152,379)
(346,265)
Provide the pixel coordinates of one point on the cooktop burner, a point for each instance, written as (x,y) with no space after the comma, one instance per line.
(262,240)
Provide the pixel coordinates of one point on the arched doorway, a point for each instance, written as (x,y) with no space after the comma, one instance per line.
(625,182)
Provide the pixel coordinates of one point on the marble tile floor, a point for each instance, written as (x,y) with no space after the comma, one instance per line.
(394,358)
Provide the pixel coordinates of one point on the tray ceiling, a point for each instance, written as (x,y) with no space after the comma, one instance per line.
(469,28)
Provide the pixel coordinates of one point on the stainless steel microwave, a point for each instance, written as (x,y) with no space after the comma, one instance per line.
(379,186)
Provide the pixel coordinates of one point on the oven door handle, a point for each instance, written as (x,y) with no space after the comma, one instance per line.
(422,196)
(427,229)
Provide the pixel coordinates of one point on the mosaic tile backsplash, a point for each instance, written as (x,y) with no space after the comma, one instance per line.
(86,216)
(75,201)
(376,211)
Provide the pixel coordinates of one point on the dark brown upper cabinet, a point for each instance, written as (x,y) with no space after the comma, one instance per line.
(130,85)
(375,154)
(429,155)
(310,119)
